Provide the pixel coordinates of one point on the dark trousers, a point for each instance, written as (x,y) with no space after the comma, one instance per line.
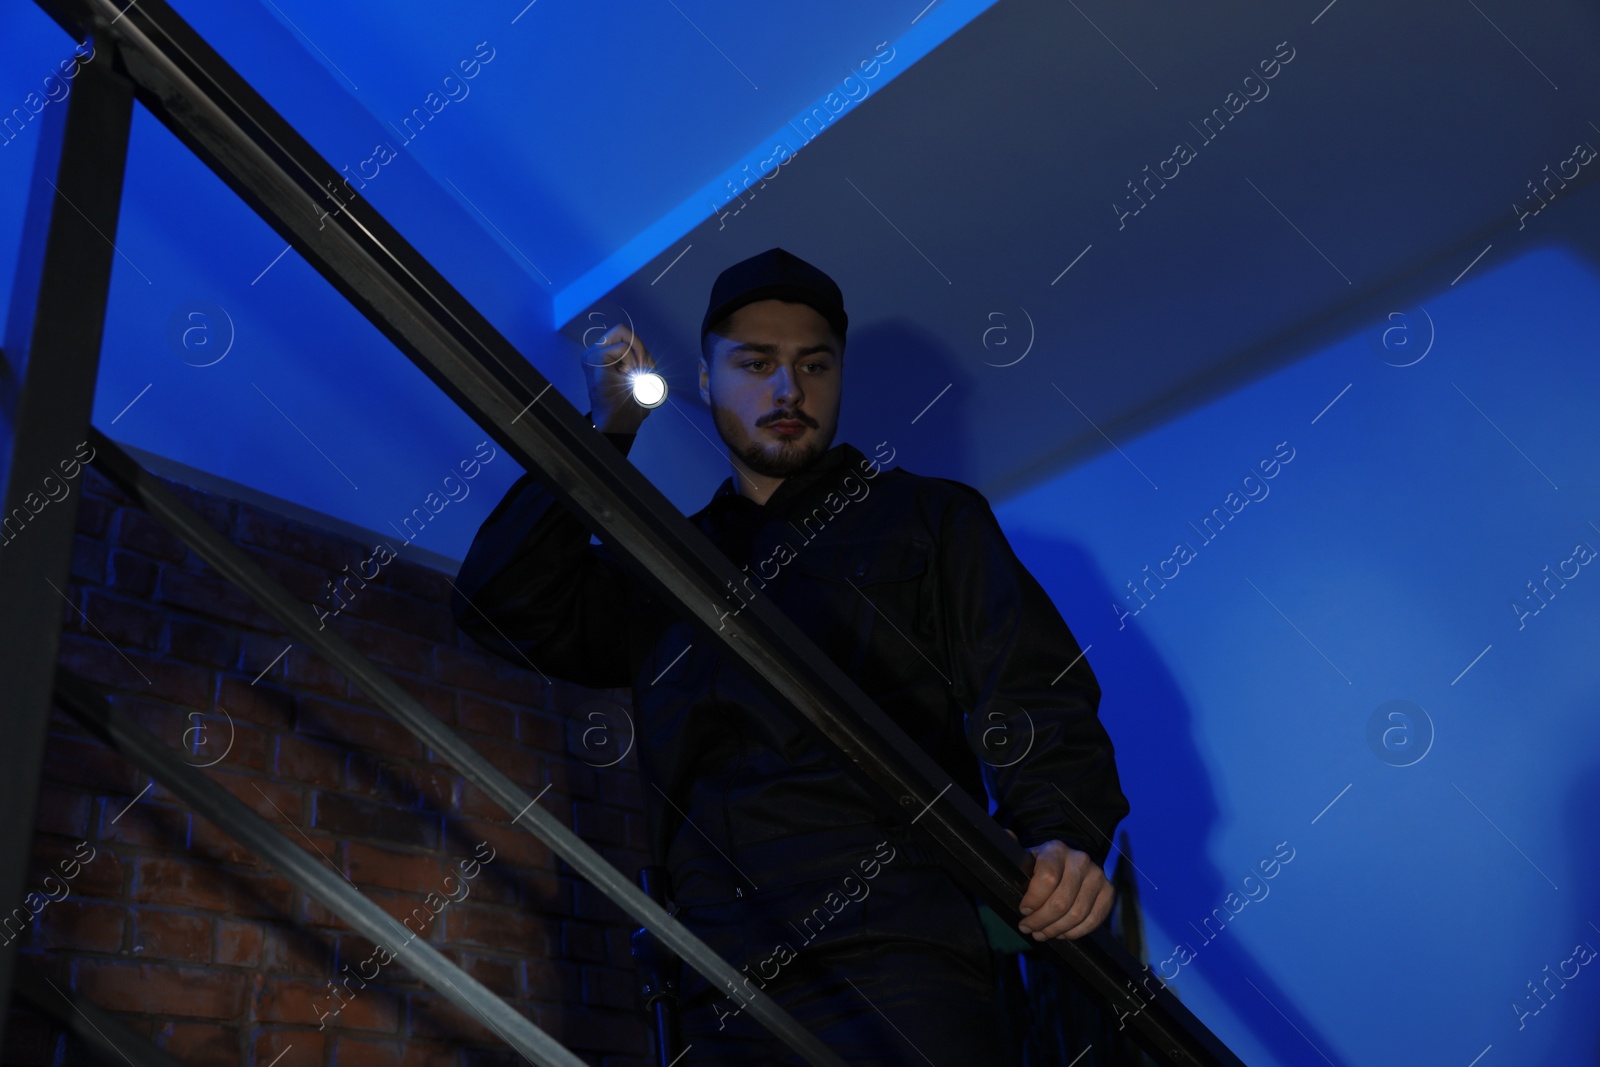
(891,971)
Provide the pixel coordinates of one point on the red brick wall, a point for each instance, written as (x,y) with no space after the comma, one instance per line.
(192,941)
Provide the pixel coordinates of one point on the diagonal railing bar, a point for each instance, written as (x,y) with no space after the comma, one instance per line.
(227,124)
(235,818)
(296,617)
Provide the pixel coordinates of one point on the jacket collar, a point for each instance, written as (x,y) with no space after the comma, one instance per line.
(793,487)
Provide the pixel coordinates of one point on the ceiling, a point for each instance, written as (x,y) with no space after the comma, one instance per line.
(1015,306)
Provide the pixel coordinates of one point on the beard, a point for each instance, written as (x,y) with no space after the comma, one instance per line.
(778,460)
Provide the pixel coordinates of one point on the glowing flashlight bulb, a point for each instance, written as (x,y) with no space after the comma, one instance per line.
(649,389)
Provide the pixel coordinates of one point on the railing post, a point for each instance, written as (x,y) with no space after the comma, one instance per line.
(47,379)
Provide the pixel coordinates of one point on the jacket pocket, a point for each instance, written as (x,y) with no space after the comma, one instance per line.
(867,603)
(865,562)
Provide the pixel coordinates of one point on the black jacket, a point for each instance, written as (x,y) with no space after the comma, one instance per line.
(905,581)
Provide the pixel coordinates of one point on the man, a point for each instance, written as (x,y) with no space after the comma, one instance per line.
(777,858)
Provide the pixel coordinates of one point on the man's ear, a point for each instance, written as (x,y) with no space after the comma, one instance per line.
(705,382)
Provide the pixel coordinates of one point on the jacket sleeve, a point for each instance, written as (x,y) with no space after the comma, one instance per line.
(1032,703)
(534,591)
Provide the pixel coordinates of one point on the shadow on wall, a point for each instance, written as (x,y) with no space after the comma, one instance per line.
(898,372)
(1580,815)
(1174,810)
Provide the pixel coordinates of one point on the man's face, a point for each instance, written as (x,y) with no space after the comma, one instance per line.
(774,380)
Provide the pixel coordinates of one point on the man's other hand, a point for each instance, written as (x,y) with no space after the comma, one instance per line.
(1068,895)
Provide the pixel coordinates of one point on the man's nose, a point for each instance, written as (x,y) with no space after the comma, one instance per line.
(786,387)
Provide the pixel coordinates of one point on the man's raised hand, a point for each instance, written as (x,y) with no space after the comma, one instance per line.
(606,366)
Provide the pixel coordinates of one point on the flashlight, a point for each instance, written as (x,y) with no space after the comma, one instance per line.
(649,388)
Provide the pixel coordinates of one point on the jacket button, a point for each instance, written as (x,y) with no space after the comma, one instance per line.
(861,570)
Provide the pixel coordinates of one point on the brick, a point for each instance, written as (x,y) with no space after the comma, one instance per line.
(546,893)
(200,1044)
(406,786)
(310,762)
(88,762)
(432,1016)
(94,514)
(292,950)
(569,701)
(289,1002)
(271,1043)
(259,652)
(306,671)
(148,825)
(478,715)
(172,935)
(573,778)
(273,800)
(176,883)
(162,989)
(389,648)
(397,905)
(253,748)
(170,724)
(319,548)
(609,987)
(130,669)
(420,581)
(499,975)
(484,884)
(88,565)
(218,511)
(63,811)
(501,929)
(211,596)
(555,980)
(196,641)
(541,730)
(207,841)
(135,528)
(512,846)
(475,803)
(130,573)
(303,581)
(121,622)
(428,622)
(584,941)
(239,943)
(406,872)
(488,676)
(522,766)
(352,727)
(348,816)
(265,703)
(491,1057)
(622,790)
(101,875)
(305,1003)
(80,926)
(588,902)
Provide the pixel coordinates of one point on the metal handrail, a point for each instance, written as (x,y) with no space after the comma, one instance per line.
(325,883)
(217,114)
(233,563)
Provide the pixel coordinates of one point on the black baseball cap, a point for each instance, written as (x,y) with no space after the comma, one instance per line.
(775,275)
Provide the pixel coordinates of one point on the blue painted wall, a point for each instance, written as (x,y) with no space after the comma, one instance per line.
(1440,860)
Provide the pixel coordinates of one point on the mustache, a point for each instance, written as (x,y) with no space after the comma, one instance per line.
(794,416)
